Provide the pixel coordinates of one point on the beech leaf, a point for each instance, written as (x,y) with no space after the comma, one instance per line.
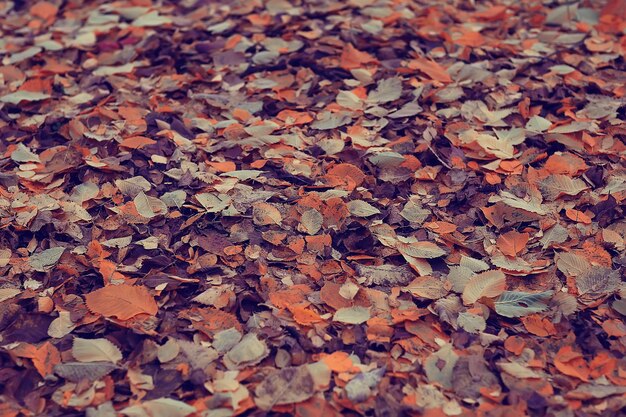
(121,301)
(95,350)
(487,284)
(518,304)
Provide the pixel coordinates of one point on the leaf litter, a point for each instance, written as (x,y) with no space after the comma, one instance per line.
(372,208)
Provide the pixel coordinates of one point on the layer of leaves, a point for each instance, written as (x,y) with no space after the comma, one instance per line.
(312,208)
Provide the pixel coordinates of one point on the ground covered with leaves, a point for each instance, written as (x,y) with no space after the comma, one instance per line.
(312,208)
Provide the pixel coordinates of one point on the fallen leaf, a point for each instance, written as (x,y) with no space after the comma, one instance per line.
(426,250)
(19,96)
(161,407)
(312,221)
(577,216)
(137,142)
(265,214)
(77,371)
(512,243)
(518,304)
(285,386)
(557,185)
(352,315)
(46,259)
(427,287)
(352,58)
(488,284)
(95,350)
(249,351)
(361,208)
(121,301)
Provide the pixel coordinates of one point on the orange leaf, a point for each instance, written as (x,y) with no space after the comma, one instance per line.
(378,330)
(602,364)
(571,363)
(492,13)
(492,178)
(241,114)
(565,163)
(538,326)
(136,142)
(291,296)
(318,243)
(577,216)
(347,174)
(515,345)
(108,270)
(614,8)
(614,327)
(338,361)
(121,301)
(291,117)
(441,227)
(352,58)
(46,357)
(470,38)
(304,316)
(210,320)
(44,10)
(435,71)
(227,166)
(512,243)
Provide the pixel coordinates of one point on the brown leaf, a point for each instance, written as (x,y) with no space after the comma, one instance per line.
(286,386)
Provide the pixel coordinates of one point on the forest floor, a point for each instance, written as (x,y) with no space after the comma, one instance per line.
(312,208)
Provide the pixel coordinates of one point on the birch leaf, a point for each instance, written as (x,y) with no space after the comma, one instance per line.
(387,90)
(46,259)
(362,208)
(352,315)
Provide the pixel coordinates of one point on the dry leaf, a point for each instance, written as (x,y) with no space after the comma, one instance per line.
(121,301)
(512,243)
(265,214)
(77,371)
(20,96)
(95,350)
(161,407)
(311,221)
(384,274)
(426,250)
(249,351)
(286,386)
(352,315)
(427,287)
(8,293)
(46,259)
(362,208)
(488,284)
(518,304)
(557,185)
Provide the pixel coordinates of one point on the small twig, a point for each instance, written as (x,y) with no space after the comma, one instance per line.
(438,157)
